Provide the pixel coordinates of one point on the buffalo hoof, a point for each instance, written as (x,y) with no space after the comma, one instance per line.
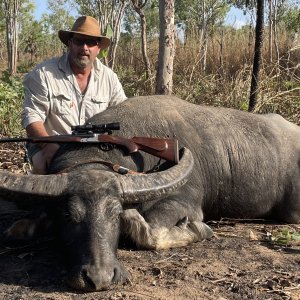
(153,236)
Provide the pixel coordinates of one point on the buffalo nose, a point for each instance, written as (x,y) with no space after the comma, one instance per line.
(96,279)
(91,278)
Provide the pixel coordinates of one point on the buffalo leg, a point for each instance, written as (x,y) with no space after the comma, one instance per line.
(155,236)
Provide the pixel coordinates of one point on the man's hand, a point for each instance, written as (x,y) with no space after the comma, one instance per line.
(41,160)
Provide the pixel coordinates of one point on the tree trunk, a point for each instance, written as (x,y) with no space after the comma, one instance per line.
(270,31)
(259,30)
(164,77)
(138,7)
(11,10)
(275,33)
(221,45)
(117,15)
(203,41)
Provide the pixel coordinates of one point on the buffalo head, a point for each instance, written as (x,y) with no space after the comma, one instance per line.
(89,205)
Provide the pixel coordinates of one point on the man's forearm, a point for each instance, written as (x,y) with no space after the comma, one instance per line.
(36,129)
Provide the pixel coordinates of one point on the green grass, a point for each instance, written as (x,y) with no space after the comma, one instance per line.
(285,237)
(11,102)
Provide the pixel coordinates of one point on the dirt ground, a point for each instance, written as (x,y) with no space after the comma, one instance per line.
(240,262)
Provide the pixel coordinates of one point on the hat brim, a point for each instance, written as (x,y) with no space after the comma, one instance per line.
(65,36)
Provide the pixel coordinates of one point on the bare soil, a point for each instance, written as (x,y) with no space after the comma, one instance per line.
(240,262)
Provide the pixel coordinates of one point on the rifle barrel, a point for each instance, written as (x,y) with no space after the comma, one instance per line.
(15,139)
(160,147)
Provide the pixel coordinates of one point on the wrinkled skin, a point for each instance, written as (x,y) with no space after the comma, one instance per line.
(90,224)
(246,166)
(90,232)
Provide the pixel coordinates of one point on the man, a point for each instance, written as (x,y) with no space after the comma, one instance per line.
(68,90)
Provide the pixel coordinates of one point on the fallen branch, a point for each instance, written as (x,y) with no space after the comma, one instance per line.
(162,260)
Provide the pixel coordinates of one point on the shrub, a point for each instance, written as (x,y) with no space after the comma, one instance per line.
(11,100)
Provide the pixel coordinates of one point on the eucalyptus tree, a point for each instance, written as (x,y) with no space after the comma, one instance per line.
(11,11)
(164,77)
(290,21)
(259,5)
(2,38)
(109,14)
(29,35)
(202,17)
(259,30)
(32,39)
(286,19)
(59,17)
(15,13)
(278,14)
(131,23)
(139,8)
(289,18)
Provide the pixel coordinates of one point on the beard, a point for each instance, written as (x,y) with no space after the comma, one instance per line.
(81,60)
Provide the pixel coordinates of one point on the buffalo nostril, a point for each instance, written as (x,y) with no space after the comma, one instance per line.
(120,275)
(88,279)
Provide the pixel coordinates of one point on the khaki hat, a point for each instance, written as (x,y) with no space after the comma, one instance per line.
(85,25)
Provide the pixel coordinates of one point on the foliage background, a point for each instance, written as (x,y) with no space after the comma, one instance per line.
(212,66)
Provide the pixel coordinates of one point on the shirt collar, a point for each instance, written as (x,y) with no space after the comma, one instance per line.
(63,64)
(98,66)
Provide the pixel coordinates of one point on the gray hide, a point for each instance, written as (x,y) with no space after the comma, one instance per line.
(245,166)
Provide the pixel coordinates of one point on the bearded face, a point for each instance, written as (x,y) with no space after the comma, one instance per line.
(83,50)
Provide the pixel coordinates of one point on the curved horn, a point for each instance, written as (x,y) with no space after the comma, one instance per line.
(16,187)
(146,187)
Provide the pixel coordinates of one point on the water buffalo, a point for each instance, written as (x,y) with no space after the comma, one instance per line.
(234,164)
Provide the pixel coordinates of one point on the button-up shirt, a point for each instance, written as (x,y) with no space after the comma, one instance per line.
(52,95)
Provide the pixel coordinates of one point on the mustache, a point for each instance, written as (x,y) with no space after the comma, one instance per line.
(84,53)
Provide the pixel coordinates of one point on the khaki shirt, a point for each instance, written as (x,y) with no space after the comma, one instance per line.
(52,95)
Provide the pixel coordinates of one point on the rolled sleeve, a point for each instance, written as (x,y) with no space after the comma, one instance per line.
(36,102)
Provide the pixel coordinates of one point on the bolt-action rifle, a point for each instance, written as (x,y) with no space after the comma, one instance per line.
(164,148)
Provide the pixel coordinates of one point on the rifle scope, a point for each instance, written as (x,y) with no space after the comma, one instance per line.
(95,128)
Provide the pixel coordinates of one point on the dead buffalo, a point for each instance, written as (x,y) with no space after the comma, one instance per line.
(233,164)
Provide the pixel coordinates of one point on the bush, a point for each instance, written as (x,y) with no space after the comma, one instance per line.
(11,102)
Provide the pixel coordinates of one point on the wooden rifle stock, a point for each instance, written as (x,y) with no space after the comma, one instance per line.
(161,147)
(164,148)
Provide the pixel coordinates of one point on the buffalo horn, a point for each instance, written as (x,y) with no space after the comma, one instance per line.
(147,187)
(16,187)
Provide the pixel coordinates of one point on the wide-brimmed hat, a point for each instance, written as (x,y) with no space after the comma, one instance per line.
(85,25)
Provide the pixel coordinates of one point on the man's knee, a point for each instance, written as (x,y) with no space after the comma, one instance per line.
(39,165)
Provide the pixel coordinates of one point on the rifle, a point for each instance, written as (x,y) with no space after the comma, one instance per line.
(164,148)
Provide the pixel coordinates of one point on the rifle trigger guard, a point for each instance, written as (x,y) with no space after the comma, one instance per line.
(106,146)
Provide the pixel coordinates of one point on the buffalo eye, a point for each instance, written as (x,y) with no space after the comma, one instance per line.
(75,210)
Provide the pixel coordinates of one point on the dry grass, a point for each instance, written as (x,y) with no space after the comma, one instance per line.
(226,78)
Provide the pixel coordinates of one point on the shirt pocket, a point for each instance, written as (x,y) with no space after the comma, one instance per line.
(97,105)
(62,104)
